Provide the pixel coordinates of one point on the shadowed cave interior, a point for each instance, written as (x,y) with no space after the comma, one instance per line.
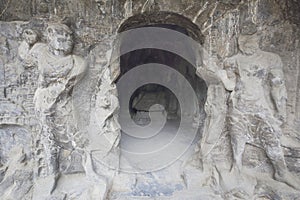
(147,95)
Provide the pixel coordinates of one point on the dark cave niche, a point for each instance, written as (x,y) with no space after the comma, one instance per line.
(147,95)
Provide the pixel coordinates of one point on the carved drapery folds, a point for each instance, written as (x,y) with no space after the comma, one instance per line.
(255,112)
(59,130)
(59,71)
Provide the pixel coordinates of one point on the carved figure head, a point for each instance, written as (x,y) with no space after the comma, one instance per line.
(248,44)
(248,41)
(59,38)
(30,36)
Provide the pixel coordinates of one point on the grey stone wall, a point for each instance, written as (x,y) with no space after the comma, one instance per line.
(95,24)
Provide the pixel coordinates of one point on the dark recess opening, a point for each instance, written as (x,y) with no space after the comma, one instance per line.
(148,95)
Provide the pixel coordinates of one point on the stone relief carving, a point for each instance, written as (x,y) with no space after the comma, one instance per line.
(257,104)
(246,98)
(59,72)
(104,129)
(61,148)
(215,109)
(17,181)
(245,107)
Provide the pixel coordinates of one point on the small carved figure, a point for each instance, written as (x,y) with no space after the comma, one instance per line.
(255,80)
(59,71)
(17,175)
(215,108)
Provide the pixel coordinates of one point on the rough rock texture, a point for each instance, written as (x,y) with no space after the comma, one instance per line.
(60,135)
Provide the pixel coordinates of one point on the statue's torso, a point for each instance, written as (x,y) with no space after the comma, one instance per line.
(252,85)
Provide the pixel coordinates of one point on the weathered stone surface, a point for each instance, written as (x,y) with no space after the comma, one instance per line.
(60,136)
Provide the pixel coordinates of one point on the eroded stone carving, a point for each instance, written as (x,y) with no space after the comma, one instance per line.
(215,109)
(104,129)
(16,176)
(257,104)
(59,72)
(96,21)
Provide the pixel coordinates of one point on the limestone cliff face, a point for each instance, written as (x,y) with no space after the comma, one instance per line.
(60,133)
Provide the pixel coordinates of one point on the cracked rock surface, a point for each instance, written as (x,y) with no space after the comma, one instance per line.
(61,135)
